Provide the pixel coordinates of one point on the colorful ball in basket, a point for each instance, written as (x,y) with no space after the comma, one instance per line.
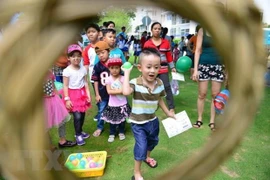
(79,155)
(221,100)
(91,164)
(183,64)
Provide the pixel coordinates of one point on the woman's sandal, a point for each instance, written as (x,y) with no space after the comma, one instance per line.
(212,126)
(198,124)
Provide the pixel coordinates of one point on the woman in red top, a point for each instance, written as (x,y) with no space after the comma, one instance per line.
(164,47)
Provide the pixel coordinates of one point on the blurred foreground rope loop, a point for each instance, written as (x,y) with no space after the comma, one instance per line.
(30,47)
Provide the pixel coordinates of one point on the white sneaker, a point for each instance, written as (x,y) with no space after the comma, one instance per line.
(122,136)
(111,138)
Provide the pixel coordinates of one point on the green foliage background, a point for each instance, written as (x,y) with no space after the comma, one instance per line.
(121,16)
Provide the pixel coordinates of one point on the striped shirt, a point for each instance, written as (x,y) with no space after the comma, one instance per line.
(145,101)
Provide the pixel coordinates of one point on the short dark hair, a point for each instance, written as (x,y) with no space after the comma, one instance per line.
(152,26)
(92,25)
(147,52)
(109,22)
(108,31)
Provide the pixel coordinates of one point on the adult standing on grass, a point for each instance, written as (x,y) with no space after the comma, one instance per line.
(207,67)
(164,48)
(148,92)
(191,46)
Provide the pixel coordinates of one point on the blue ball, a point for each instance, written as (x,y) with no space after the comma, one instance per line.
(72,157)
(79,156)
(82,163)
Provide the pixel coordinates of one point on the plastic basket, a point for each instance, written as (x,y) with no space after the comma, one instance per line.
(89,172)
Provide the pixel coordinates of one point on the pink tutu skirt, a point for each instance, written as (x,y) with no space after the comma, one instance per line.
(55,111)
(78,97)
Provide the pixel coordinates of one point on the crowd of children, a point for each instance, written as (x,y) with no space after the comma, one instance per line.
(102,61)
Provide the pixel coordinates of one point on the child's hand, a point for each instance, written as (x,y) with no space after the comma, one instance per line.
(171,114)
(69,104)
(173,70)
(89,100)
(98,99)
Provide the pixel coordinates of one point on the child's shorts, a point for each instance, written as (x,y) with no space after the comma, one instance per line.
(211,72)
(146,138)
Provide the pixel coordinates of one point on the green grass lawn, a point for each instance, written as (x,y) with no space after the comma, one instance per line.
(251,160)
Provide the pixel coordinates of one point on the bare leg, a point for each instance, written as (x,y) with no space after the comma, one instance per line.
(148,154)
(202,91)
(137,170)
(215,89)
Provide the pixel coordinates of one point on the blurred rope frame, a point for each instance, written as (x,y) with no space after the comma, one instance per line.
(31,46)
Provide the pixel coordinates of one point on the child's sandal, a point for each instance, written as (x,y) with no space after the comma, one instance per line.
(212,126)
(198,124)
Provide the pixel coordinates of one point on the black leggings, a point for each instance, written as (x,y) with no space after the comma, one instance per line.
(78,122)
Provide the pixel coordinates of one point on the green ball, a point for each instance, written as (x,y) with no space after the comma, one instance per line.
(183,64)
(127,65)
(69,165)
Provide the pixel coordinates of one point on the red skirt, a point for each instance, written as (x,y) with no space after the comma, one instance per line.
(78,98)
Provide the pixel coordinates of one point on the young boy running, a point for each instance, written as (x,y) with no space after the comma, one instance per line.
(148,92)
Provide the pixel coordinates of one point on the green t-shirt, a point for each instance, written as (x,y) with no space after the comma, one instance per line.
(209,54)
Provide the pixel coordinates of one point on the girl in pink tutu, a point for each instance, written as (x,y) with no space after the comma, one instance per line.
(76,91)
(55,111)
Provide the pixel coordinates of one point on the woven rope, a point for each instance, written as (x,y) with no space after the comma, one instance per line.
(29,48)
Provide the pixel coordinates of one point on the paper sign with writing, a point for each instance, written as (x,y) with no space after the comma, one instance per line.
(174,127)
(178,76)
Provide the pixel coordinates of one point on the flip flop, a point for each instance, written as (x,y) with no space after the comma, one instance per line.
(97,133)
(150,162)
(198,124)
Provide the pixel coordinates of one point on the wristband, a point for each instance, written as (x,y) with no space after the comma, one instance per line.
(67,98)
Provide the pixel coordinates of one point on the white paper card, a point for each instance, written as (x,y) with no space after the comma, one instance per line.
(174,127)
(178,76)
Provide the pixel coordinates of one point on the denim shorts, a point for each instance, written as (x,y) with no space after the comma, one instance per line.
(146,138)
(211,72)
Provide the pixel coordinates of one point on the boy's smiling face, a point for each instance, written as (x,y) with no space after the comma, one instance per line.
(149,67)
(110,38)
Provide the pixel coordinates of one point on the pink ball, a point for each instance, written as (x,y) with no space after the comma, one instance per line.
(92,165)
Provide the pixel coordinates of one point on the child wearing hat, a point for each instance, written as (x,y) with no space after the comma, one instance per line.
(99,76)
(118,109)
(76,91)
